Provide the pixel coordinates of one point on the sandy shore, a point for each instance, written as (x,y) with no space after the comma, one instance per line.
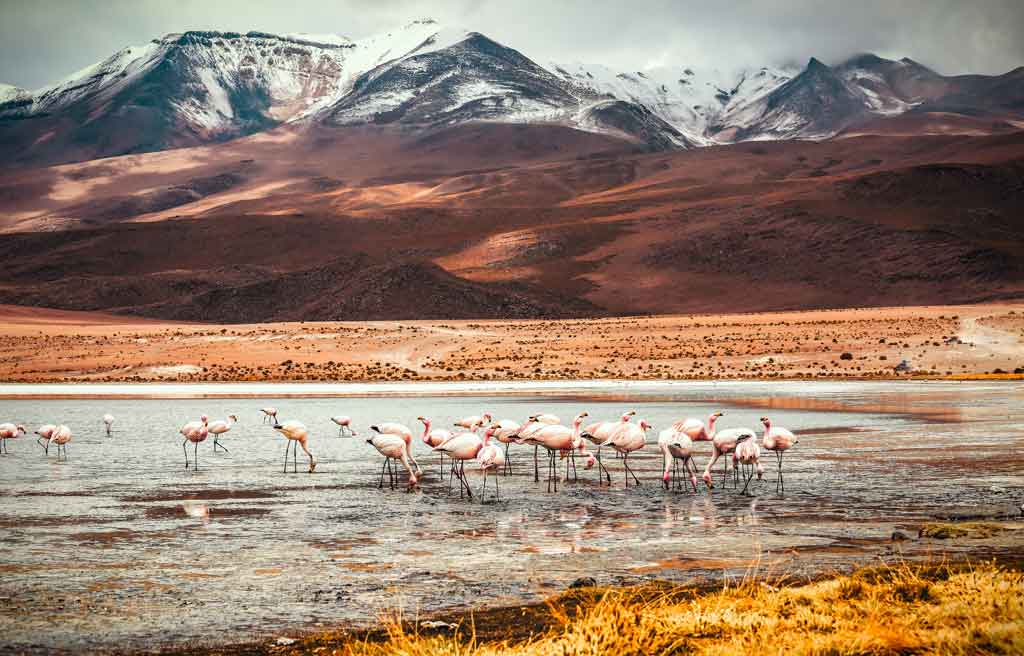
(39,345)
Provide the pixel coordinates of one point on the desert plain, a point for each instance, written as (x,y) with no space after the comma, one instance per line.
(967,341)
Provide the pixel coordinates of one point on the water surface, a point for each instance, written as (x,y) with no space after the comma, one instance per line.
(120,547)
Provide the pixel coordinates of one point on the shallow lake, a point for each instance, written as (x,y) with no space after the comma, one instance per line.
(121,547)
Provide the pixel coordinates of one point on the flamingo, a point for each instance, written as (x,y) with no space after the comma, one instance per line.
(505,431)
(777,440)
(749,456)
(560,439)
(220,427)
(676,447)
(461,447)
(534,423)
(490,456)
(194,432)
(599,433)
(108,421)
(473,423)
(297,434)
(402,431)
(269,414)
(61,436)
(45,433)
(435,437)
(344,429)
(629,438)
(9,432)
(695,428)
(392,447)
(725,443)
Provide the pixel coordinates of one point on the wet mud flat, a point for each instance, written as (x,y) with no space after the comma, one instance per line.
(121,549)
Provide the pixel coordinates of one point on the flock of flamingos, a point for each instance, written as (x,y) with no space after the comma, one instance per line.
(465,443)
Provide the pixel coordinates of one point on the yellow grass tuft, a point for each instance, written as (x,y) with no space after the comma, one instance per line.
(961,530)
(890,610)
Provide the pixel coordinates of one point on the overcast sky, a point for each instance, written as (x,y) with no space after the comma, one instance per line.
(44,40)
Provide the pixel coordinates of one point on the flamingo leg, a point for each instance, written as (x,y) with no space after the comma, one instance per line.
(749,476)
(380,483)
(183,448)
(462,473)
(195,455)
(574,476)
(629,470)
(780,485)
(601,467)
(536,465)
(483,488)
(287,445)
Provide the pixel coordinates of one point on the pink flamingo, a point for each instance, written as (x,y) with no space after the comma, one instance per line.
(344,426)
(460,448)
(435,437)
(777,440)
(402,431)
(194,432)
(490,456)
(599,433)
(473,423)
(61,436)
(269,414)
(392,447)
(45,432)
(220,427)
(297,435)
(676,447)
(629,438)
(558,439)
(505,431)
(108,421)
(725,443)
(749,457)
(9,432)
(695,428)
(525,436)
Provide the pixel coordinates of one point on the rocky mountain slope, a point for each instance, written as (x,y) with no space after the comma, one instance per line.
(203,87)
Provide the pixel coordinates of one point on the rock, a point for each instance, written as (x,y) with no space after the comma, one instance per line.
(434,624)
(584,582)
(284,642)
(899,536)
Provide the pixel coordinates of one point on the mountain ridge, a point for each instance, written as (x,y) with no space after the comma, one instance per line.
(205,86)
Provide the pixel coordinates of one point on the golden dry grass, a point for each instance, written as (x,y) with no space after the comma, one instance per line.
(893,610)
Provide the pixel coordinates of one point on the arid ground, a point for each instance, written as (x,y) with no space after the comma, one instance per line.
(937,341)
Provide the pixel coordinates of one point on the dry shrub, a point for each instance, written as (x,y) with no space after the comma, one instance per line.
(889,610)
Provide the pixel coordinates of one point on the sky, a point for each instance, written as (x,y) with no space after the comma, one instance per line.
(42,41)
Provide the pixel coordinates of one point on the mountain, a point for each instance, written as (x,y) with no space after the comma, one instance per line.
(501,220)
(205,87)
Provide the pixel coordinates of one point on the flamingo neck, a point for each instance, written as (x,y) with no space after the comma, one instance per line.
(426,432)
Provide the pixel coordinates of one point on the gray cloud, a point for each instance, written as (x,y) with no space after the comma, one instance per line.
(41,42)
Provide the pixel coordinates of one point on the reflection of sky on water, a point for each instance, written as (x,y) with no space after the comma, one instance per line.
(120,545)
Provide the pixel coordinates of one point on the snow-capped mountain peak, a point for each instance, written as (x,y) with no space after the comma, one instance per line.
(199,86)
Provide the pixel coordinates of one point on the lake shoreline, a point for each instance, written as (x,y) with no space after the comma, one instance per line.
(520,624)
(594,388)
